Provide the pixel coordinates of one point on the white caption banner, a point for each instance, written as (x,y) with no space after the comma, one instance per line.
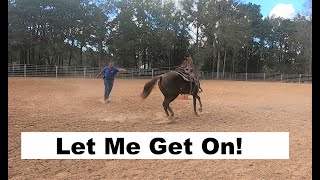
(155,145)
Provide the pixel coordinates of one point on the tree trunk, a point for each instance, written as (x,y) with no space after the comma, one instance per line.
(148,62)
(21,56)
(40,59)
(100,53)
(260,59)
(310,52)
(247,58)
(70,56)
(233,63)
(28,56)
(32,55)
(218,64)
(197,45)
(168,53)
(135,59)
(25,57)
(80,54)
(310,66)
(144,56)
(224,61)
(213,60)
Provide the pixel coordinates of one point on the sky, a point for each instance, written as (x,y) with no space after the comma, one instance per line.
(281,8)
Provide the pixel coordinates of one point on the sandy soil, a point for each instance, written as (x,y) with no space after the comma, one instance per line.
(48,104)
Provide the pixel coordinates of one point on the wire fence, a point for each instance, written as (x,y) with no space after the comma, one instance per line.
(30,70)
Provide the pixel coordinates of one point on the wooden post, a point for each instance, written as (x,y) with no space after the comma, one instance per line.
(132,73)
(139,72)
(25,70)
(152,73)
(56,71)
(300,78)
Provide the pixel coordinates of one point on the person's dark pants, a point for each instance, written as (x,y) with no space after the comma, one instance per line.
(108,84)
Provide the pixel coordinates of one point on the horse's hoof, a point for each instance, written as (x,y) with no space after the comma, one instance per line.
(200,109)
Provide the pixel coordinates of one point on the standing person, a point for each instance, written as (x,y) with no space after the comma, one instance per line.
(109,72)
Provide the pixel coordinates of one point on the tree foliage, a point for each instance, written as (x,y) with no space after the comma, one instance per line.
(222,36)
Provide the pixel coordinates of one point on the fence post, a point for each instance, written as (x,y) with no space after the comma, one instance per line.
(246,76)
(264,76)
(299,78)
(75,71)
(84,72)
(281,77)
(46,70)
(292,78)
(56,71)
(13,68)
(152,73)
(25,70)
(66,71)
(139,72)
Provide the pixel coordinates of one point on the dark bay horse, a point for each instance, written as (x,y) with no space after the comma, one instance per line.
(171,85)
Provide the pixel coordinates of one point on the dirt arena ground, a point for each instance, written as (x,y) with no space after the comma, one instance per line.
(49,104)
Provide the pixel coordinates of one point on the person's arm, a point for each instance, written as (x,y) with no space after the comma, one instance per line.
(100,73)
(121,70)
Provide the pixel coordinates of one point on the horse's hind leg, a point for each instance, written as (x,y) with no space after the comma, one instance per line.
(198,97)
(166,106)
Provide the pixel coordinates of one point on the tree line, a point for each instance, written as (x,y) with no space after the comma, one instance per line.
(222,36)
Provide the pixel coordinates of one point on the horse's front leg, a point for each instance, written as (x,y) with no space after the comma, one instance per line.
(198,97)
(194,104)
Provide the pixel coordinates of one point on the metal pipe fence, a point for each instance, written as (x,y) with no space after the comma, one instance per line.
(30,70)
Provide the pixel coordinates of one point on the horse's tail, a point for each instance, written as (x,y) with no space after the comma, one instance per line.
(149,86)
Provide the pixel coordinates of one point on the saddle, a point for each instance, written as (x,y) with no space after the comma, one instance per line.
(188,75)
